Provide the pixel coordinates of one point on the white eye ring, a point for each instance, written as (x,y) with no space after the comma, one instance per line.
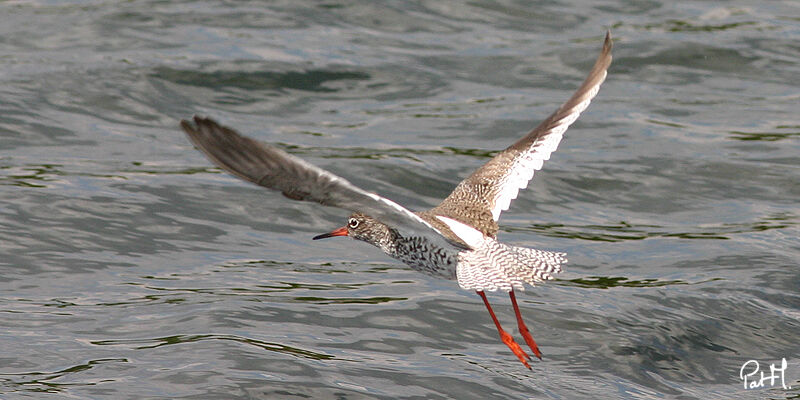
(352,223)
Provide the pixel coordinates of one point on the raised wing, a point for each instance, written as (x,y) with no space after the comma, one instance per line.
(481,197)
(273,168)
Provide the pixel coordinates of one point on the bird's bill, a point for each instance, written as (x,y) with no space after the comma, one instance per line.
(337,232)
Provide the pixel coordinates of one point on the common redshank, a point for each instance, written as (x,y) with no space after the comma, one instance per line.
(455,240)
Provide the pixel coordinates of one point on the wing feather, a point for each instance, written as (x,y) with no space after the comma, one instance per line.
(273,168)
(490,189)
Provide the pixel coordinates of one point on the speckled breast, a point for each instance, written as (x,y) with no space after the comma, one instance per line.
(422,256)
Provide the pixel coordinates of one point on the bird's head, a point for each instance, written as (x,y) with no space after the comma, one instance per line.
(362,227)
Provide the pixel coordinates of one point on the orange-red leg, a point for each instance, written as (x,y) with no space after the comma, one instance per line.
(523,330)
(504,336)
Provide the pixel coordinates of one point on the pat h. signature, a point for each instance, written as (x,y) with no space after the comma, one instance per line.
(752,381)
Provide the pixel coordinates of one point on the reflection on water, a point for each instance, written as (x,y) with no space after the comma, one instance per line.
(605,282)
(313,80)
(55,381)
(143,344)
(623,231)
(780,133)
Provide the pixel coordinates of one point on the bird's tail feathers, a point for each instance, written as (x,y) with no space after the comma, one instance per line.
(492,266)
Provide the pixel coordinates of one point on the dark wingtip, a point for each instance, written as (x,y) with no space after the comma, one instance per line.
(198,121)
(187,126)
(608,43)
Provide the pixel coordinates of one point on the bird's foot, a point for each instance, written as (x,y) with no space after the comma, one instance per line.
(515,348)
(523,330)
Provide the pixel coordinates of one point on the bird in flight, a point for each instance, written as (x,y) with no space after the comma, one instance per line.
(455,240)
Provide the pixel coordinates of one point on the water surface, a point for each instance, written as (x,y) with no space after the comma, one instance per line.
(131,268)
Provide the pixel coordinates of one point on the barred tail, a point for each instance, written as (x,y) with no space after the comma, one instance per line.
(534,265)
(492,266)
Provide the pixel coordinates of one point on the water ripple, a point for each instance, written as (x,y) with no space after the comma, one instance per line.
(624,231)
(152,343)
(54,381)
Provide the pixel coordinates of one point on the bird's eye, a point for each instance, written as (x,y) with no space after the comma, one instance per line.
(352,223)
